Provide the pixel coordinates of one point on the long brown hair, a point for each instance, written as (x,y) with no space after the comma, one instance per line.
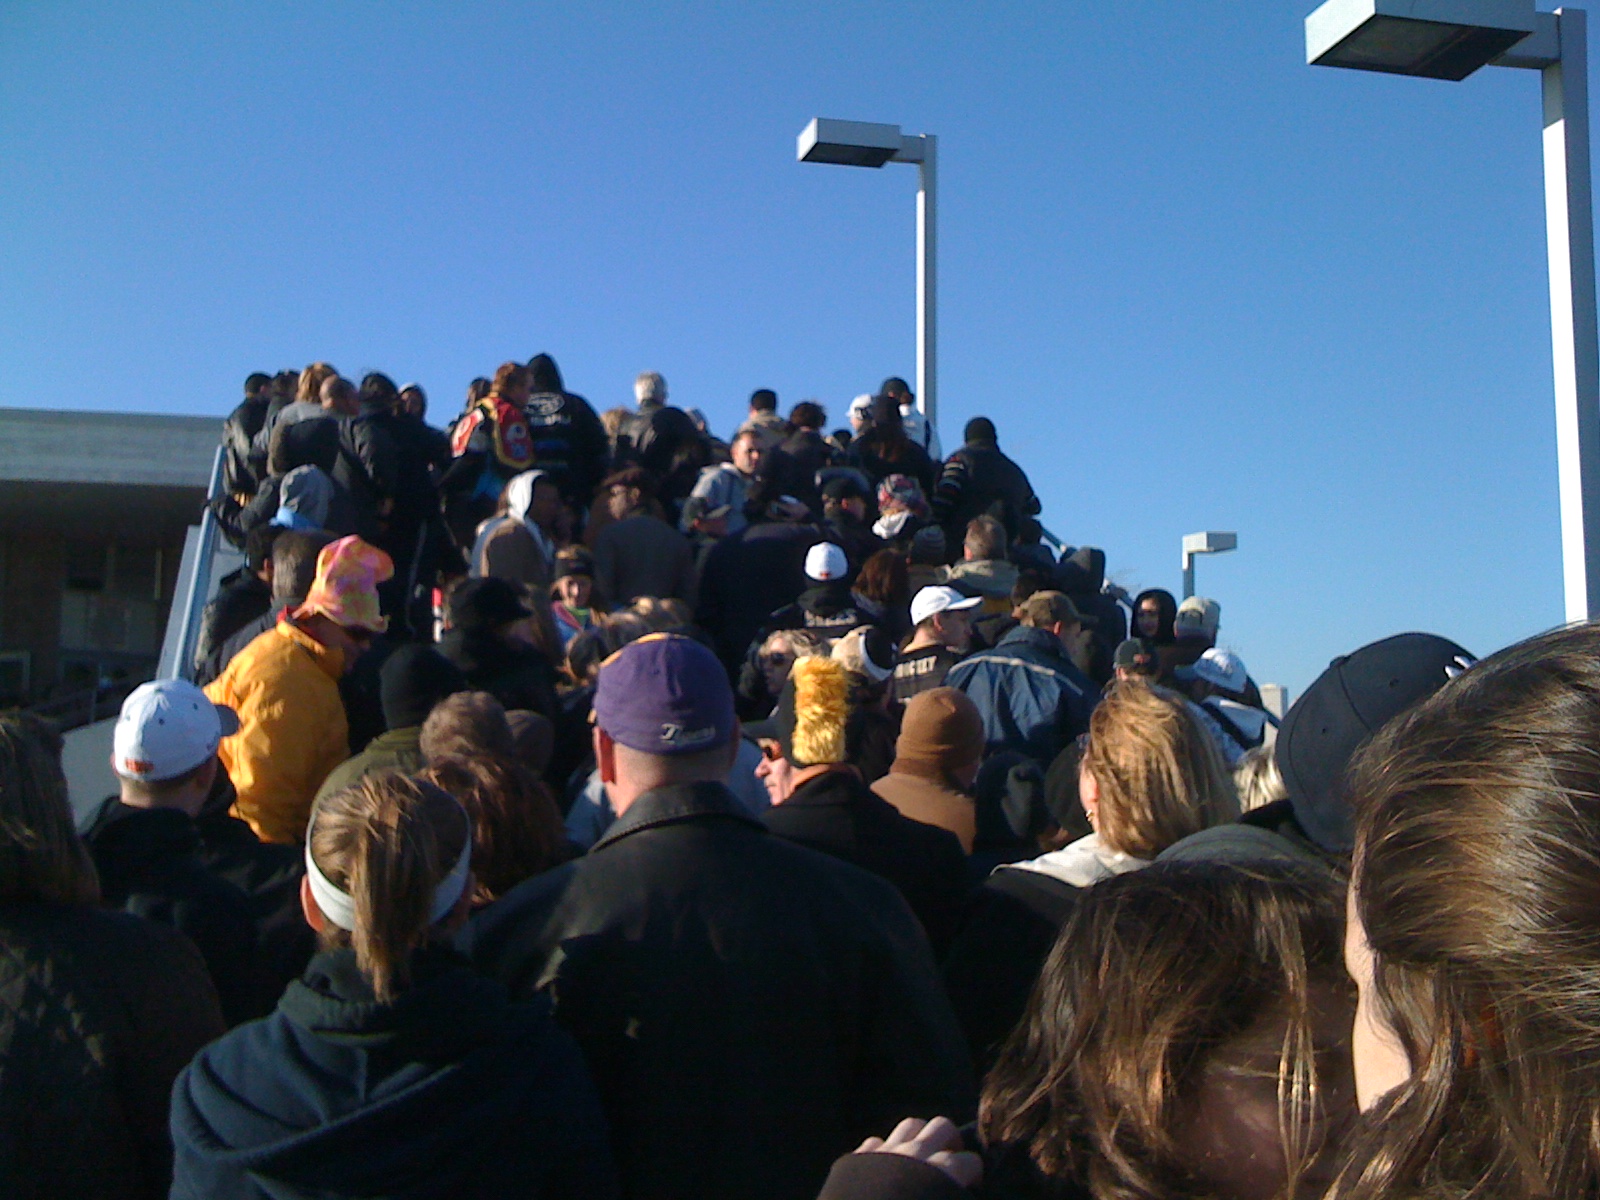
(516,826)
(388,842)
(1161,776)
(1152,971)
(41,855)
(309,388)
(1477,878)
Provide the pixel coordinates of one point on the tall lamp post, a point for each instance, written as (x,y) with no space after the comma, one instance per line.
(1450,39)
(866,144)
(1203,543)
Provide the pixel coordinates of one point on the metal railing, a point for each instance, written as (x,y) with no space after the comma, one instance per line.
(195,586)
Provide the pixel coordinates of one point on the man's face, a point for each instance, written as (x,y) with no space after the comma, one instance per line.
(858,420)
(1078,640)
(955,629)
(747,455)
(546,504)
(775,772)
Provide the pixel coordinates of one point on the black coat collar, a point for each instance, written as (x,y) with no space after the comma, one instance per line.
(674,803)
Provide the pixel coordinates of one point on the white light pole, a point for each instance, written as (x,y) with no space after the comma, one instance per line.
(866,144)
(1450,39)
(1203,543)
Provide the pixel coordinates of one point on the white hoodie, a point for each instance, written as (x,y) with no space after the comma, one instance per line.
(1082,862)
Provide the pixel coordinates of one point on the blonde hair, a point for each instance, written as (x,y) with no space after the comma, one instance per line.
(387,842)
(1160,776)
(309,389)
(821,707)
(661,613)
(1257,779)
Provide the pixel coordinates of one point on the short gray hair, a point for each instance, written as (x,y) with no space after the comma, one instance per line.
(651,386)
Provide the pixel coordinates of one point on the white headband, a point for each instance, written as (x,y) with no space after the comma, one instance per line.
(340,909)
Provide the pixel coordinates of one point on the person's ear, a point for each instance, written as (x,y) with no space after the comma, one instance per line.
(605,755)
(308,906)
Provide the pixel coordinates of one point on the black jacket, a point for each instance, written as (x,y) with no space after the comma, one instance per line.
(995,960)
(979,480)
(515,674)
(568,441)
(369,469)
(749,1008)
(241,599)
(746,577)
(149,865)
(791,469)
(827,609)
(269,876)
(854,537)
(838,814)
(98,1013)
(449,1091)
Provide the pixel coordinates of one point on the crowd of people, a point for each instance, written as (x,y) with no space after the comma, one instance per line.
(578,804)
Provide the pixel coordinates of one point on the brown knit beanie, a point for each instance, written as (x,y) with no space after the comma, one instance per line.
(940,732)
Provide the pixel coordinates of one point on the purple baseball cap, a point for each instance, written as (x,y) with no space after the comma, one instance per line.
(664,694)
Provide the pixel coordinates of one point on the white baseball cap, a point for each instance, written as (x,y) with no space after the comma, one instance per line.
(825,562)
(166,728)
(1220,668)
(931,601)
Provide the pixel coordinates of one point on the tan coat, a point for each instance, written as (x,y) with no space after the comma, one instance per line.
(509,552)
(932,803)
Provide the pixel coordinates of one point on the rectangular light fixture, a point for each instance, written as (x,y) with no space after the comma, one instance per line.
(1210,542)
(849,143)
(1432,39)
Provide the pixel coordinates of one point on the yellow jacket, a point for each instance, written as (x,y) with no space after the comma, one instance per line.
(292,729)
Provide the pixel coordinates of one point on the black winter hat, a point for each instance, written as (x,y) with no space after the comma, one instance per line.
(1349,702)
(412,680)
(486,603)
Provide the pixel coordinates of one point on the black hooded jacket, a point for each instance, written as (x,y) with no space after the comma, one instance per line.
(977,480)
(514,673)
(450,1091)
(568,439)
(149,865)
(827,609)
(269,876)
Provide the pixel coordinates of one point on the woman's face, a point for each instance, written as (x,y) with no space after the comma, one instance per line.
(775,662)
(574,590)
(1381,1064)
(621,501)
(1149,621)
(1230,1137)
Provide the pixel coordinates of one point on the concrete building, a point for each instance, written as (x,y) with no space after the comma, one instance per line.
(94,508)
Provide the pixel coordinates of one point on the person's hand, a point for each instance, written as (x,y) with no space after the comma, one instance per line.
(936,1142)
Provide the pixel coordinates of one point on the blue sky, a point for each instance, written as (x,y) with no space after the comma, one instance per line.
(1196,283)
